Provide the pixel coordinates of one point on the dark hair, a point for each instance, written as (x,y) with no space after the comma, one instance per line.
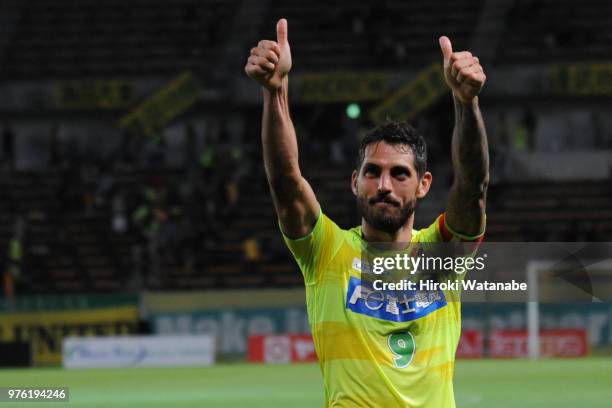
(397,133)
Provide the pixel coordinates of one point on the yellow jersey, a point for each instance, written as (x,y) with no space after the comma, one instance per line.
(376,350)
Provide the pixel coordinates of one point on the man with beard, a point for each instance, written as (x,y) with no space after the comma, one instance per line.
(376,349)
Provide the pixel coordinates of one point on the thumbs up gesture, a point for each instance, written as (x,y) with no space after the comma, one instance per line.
(270,62)
(462,72)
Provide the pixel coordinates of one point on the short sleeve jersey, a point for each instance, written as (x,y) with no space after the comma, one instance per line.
(376,351)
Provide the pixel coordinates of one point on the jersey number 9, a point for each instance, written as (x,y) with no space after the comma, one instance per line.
(402,346)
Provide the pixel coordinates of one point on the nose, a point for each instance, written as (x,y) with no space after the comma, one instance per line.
(384,183)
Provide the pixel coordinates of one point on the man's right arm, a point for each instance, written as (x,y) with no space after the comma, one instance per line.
(295,202)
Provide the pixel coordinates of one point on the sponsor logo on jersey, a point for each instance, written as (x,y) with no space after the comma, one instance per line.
(394,306)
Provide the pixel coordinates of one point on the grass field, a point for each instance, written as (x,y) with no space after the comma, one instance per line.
(585,383)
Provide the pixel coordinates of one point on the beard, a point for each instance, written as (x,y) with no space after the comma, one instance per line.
(389,218)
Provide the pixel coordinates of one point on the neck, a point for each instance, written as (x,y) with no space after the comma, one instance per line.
(371,234)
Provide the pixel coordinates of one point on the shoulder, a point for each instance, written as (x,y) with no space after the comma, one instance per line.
(324,233)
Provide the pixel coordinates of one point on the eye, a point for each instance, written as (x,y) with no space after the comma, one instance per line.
(400,173)
(371,171)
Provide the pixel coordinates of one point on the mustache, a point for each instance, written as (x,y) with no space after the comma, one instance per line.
(383,198)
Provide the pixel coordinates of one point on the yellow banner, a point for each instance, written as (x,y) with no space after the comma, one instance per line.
(228,299)
(343,86)
(413,97)
(46,330)
(93,94)
(586,79)
(154,113)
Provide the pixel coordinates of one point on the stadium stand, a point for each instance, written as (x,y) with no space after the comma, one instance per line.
(552,212)
(109,227)
(370,34)
(67,39)
(71,249)
(552,30)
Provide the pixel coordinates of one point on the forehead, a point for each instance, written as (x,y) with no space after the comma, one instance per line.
(384,154)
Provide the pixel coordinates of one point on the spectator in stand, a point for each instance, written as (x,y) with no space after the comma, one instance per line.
(524,133)
(144,223)
(13,269)
(252,253)
(119,221)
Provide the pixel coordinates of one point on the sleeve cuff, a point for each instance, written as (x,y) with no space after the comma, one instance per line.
(305,236)
(448,233)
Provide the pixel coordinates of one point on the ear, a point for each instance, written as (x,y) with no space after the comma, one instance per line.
(424,184)
(354,181)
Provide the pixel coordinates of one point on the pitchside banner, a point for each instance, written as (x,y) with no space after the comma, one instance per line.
(281,349)
(571,282)
(232,327)
(595,319)
(568,343)
(138,351)
(45,321)
(571,343)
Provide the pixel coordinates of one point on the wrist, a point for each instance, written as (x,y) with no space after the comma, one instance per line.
(271,92)
(466,103)
(277,98)
(275,91)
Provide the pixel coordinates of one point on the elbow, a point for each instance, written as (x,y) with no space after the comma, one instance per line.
(483,184)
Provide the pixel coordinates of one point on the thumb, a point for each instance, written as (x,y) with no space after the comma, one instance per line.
(446,47)
(281,32)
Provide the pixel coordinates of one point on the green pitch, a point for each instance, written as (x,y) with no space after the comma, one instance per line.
(488,383)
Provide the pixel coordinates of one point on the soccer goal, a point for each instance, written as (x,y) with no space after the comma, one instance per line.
(538,271)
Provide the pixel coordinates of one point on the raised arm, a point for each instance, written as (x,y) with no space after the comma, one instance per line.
(295,202)
(470,153)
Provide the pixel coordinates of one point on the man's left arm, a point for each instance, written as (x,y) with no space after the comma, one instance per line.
(465,211)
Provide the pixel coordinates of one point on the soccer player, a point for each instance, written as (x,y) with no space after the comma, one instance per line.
(375,350)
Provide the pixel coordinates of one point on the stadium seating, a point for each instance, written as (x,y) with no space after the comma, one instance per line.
(89,39)
(72,249)
(68,39)
(549,30)
(70,244)
(577,211)
(370,34)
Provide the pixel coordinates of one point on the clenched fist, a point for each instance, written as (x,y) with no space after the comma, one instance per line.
(462,71)
(270,62)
